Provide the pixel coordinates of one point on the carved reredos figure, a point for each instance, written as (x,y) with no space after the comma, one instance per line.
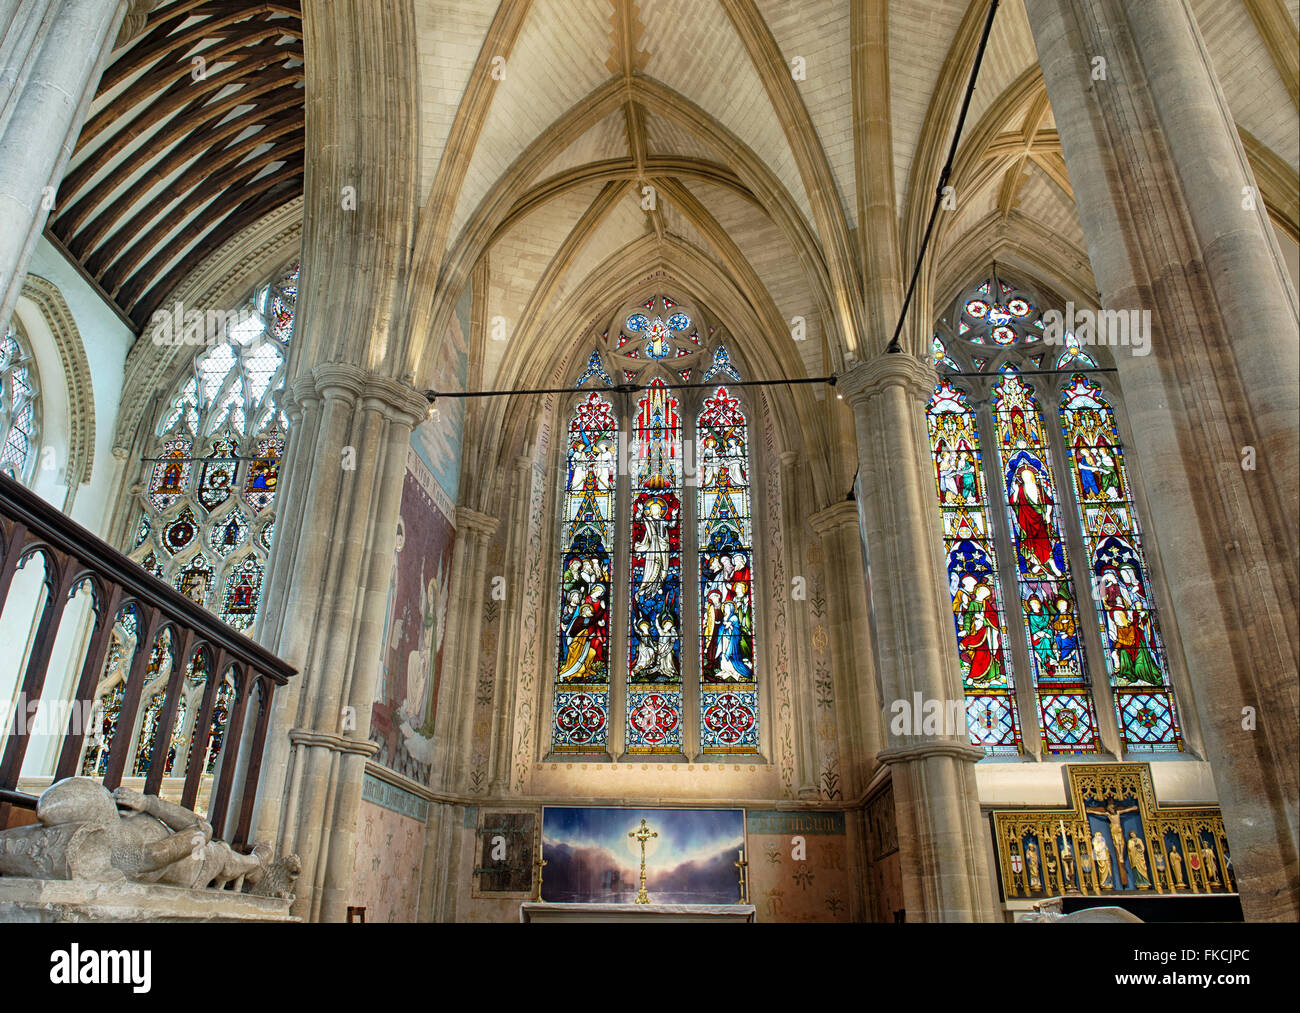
(81,836)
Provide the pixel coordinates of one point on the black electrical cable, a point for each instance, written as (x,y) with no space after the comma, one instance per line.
(893,345)
(1032,372)
(628,388)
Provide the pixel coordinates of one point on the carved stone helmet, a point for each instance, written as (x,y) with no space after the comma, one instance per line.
(76,800)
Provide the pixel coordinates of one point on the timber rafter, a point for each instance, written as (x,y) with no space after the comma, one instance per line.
(197,122)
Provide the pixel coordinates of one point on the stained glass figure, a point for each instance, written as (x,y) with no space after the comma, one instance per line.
(195,579)
(978,611)
(581,709)
(654,702)
(171,474)
(20,403)
(221,708)
(1130,630)
(1048,603)
(728,683)
(264,472)
(242,594)
(228,533)
(108,710)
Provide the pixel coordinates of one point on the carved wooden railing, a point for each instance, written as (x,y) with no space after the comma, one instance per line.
(74,558)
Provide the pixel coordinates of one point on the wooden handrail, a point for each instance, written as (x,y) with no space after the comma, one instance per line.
(74,557)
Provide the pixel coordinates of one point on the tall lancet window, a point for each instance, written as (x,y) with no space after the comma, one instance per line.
(1047,600)
(654,681)
(728,688)
(1130,629)
(20,415)
(1062,516)
(978,612)
(665,463)
(581,718)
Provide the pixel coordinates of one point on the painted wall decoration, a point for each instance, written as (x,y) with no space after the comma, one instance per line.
(798,866)
(438,442)
(406,694)
(592,857)
(1114,838)
(386,869)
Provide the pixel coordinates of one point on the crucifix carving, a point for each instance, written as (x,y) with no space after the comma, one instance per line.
(642,835)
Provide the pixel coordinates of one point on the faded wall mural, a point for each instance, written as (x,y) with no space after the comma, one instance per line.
(406,694)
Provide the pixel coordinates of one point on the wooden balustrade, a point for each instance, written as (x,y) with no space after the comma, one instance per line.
(74,558)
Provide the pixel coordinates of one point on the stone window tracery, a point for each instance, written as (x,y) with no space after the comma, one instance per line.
(1043,509)
(656,545)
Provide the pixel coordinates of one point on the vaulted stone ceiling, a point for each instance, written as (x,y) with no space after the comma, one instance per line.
(756,171)
(196,131)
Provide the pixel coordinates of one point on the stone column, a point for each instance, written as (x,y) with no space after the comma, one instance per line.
(1160,181)
(332,565)
(804,707)
(503,692)
(52,54)
(856,686)
(941,837)
(455,717)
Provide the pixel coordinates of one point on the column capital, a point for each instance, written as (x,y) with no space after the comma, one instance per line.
(473,522)
(396,399)
(333,742)
(925,750)
(298,392)
(400,399)
(837,515)
(343,377)
(134,19)
(865,380)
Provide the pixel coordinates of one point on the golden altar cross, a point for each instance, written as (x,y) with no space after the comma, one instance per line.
(642,835)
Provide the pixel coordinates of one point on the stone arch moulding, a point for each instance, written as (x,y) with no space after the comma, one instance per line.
(76,377)
(219,282)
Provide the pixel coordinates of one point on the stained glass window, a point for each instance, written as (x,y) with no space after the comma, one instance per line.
(1090,500)
(939,354)
(978,611)
(997,312)
(582,683)
(654,698)
(636,450)
(208,508)
(20,406)
(728,685)
(1130,630)
(1047,601)
(222,706)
